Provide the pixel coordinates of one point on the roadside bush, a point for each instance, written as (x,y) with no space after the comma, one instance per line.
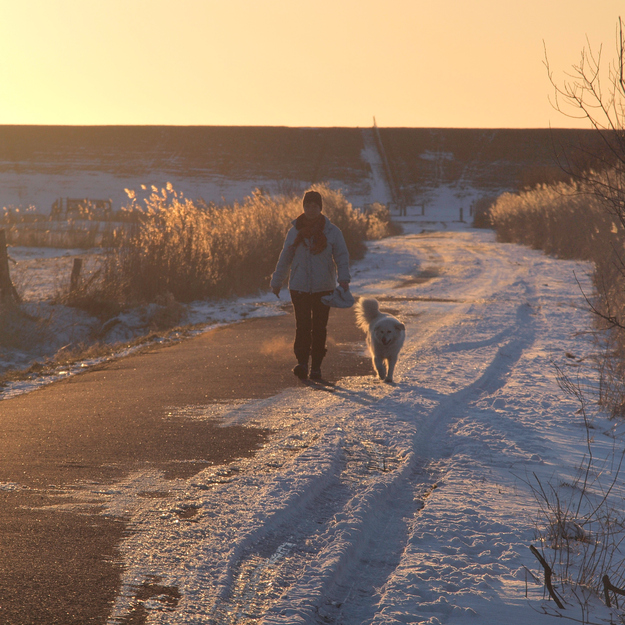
(568,220)
(379,224)
(563,219)
(581,524)
(584,218)
(191,250)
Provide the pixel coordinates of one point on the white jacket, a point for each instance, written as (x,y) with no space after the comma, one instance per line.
(313,273)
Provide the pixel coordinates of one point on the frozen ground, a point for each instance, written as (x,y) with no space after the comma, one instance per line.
(41,274)
(385,504)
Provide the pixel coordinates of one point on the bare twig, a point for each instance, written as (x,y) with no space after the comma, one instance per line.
(548,574)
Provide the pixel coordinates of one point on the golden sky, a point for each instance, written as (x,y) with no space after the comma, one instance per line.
(414,63)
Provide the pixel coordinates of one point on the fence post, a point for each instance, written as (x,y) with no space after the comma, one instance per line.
(7,290)
(75,278)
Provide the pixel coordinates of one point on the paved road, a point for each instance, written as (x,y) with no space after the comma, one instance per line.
(62,567)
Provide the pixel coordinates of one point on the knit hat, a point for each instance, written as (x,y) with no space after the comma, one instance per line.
(313,197)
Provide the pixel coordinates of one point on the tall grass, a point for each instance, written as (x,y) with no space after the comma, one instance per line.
(569,220)
(563,219)
(194,250)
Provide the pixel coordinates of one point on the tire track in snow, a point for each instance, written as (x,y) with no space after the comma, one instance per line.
(430,443)
(493,378)
(365,529)
(338,583)
(253,567)
(357,590)
(332,574)
(293,540)
(327,529)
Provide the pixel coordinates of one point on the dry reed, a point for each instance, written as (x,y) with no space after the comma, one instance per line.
(194,250)
(568,220)
(563,219)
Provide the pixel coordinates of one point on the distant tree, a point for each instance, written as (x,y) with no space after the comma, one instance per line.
(595,91)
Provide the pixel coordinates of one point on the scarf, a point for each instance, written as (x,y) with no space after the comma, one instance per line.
(311,230)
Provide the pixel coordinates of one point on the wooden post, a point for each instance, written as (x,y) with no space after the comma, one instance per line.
(75,278)
(7,290)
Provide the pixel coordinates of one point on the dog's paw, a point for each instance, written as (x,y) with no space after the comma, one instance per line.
(388,380)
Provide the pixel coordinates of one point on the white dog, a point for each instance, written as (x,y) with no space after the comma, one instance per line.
(385,336)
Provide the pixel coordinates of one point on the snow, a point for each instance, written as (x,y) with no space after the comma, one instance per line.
(39,189)
(370,503)
(428,155)
(375,503)
(387,504)
(378,185)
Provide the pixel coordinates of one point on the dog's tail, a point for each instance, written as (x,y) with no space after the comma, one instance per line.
(367,309)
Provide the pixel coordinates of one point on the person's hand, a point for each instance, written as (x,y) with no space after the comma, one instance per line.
(344,286)
(276,291)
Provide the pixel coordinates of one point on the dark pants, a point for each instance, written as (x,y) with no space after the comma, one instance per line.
(311,320)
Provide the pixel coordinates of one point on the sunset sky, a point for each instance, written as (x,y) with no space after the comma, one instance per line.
(414,63)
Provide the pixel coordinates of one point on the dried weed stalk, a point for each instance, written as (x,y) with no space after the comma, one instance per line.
(581,524)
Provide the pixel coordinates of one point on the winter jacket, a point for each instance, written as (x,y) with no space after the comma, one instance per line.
(312,273)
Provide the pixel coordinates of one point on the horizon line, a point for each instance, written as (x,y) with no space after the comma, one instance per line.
(293,127)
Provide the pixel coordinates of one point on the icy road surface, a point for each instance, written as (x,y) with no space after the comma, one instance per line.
(376,503)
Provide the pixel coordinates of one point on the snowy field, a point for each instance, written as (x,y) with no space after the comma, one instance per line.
(376,503)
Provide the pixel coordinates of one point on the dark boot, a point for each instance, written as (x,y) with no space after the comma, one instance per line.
(301,370)
(315,368)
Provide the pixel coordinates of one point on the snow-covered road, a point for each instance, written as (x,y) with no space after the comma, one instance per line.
(376,503)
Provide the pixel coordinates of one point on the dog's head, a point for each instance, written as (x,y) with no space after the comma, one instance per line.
(388,330)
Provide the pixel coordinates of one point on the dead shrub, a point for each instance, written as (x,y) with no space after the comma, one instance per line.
(192,250)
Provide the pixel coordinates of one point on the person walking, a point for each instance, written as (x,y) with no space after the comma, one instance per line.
(314,251)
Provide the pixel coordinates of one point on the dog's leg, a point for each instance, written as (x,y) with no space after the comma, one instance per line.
(392,361)
(380,366)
